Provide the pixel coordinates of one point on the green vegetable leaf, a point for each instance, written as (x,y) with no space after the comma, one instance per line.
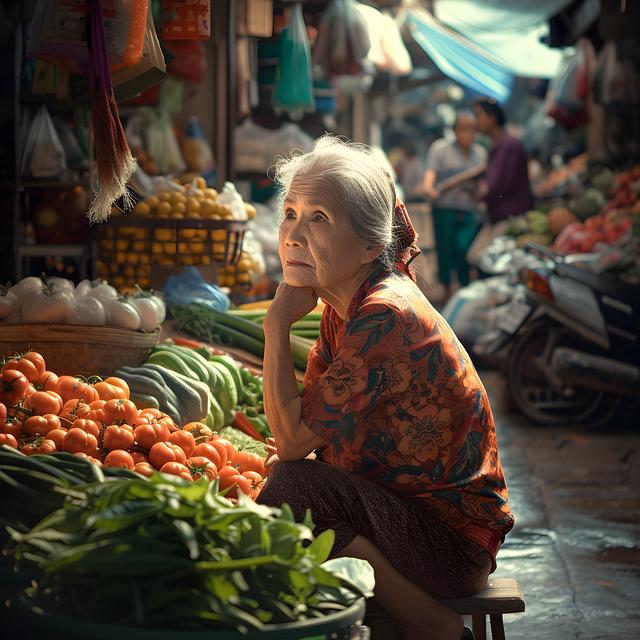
(321,547)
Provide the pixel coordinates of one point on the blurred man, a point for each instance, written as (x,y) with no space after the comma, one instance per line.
(454,197)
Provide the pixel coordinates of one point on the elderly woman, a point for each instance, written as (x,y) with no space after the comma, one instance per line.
(407,471)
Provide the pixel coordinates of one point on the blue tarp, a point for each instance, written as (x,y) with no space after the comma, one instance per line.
(460,59)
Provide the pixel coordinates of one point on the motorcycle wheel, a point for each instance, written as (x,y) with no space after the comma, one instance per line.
(534,395)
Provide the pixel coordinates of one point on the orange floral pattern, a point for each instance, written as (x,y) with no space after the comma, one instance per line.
(398,400)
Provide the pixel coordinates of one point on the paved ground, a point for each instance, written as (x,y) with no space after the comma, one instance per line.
(575,548)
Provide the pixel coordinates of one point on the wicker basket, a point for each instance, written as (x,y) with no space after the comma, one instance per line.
(79,349)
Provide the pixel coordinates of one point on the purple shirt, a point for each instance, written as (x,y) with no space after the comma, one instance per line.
(507,179)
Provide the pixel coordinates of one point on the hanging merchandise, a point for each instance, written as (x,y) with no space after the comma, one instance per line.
(616,81)
(190,61)
(114,161)
(73,153)
(197,151)
(343,45)
(186,20)
(58,33)
(568,91)
(294,87)
(149,70)
(43,155)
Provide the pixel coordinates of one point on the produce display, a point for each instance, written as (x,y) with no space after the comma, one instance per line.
(232,329)
(161,552)
(42,413)
(127,251)
(58,301)
(598,214)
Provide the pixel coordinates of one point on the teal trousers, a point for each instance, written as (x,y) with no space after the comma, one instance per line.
(454,232)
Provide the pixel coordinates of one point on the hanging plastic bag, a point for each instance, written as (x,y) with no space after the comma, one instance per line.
(57,33)
(43,155)
(74,156)
(294,86)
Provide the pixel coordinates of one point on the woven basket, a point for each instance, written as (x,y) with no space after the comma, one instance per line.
(79,349)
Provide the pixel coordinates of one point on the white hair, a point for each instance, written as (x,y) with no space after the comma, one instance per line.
(349,177)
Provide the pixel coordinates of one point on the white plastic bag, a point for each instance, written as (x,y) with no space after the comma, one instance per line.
(43,155)
(233,199)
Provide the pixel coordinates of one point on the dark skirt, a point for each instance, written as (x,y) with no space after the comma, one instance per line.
(440,561)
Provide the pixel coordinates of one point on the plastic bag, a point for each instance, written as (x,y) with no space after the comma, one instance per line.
(233,199)
(189,286)
(43,155)
(294,87)
(57,33)
(75,157)
(161,143)
(196,150)
(343,41)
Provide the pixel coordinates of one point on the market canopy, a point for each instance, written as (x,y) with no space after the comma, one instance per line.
(511,31)
(460,59)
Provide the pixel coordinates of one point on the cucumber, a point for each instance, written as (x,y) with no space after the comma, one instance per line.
(216,412)
(192,360)
(143,401)
(189,404)
(149,385)
(169,360)
(227,394)
(230,365)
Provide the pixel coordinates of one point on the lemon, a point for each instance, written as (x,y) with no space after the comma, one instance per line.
(163,210)
(197,247)
(211,193)
(200,182)
(183,247)
(138,245)
(164,234)
(152,202)
(166,260)
(165,196)
(121,257)
(169,247)
(142,209)
(156,248)
(224,211)
(177,216)
(133,258)
(193,205)
(207,208)
(129,271)
(219,234)
(187,260)
(201,234)
(205,259)
(144,258)
(243,278)
(179,207)
(251,211)
(141,234)
(176,197)
(144,270)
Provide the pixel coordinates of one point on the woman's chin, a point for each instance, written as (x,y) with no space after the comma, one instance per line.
(297,279)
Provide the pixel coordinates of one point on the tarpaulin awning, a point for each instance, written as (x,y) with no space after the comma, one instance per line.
(459,58)
(511,31)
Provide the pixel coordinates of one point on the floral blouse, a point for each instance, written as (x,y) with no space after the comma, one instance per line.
(400,403)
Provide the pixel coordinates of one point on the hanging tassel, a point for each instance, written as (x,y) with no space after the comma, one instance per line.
(114,161)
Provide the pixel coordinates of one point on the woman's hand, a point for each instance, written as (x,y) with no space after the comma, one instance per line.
(291,303)
(272,453)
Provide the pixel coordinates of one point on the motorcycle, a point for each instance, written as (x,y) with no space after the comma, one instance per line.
(573,341)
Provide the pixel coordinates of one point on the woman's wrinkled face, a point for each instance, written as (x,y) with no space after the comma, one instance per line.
(318,247)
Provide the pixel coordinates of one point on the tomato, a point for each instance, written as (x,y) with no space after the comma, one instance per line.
(79,441)
(232,480)
(144,469)
(169,423)
(120,410)
(230,449)
(27,368)
(153,413)
(97,410)
(39,445)
(176,469)
(30,391)
(88,425)
(81,454)
(9,440)
(138,456)
(147,435)
(11,426)
(119,458)
(163,452)
(216,452)
(257,482)
(78,407)
(108,391)
(13,386)
(42,402)
(58,436)
(120,384)
(3,413)
(70,387)
(37,360)
(200,431)
(185,440)
(40,425)
(246,461)
(48,381)
(201,466)
(118,437)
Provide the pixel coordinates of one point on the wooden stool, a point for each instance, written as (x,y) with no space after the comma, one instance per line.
(500,595)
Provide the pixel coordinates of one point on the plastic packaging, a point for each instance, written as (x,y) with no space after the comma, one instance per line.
(43,155)
(233,199)
(189,286)
(196,150)
(58,32)
(294,88)
(186,20)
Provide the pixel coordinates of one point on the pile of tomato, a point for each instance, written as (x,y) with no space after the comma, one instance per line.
(41,412)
